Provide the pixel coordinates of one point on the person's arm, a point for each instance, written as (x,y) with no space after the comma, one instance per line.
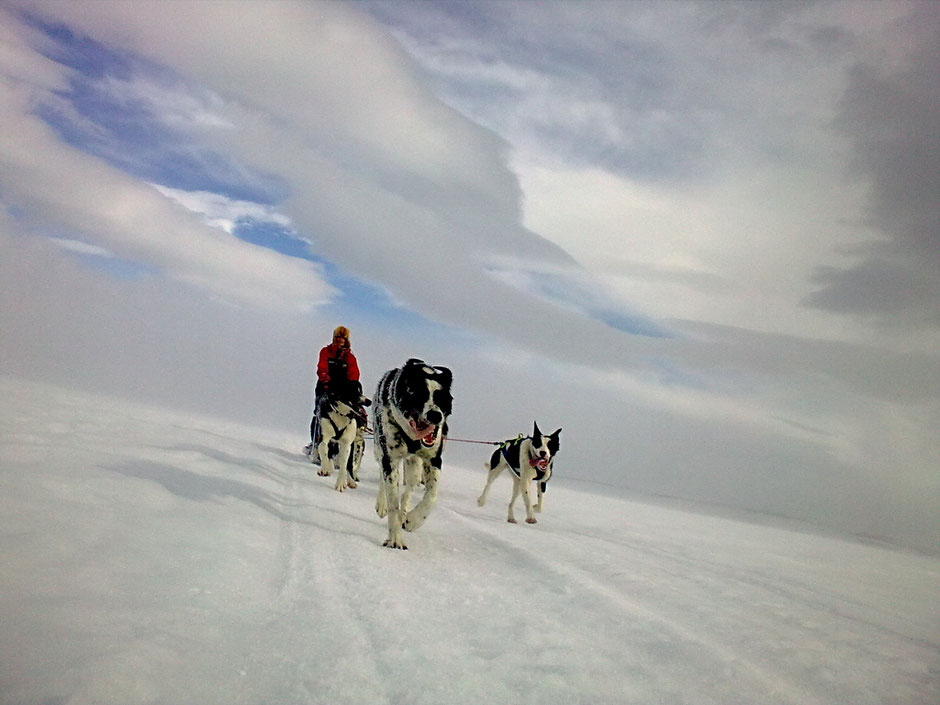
(352,367)
(323,368)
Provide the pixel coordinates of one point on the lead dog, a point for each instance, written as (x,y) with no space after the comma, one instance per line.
(342,425)
(412,404)
(528,459)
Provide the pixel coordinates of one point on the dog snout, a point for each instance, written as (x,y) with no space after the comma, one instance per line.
(434,416)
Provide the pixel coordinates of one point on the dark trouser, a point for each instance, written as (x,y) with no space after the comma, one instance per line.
(315,422)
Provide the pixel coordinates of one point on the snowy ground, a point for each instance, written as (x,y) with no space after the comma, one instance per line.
(155,557)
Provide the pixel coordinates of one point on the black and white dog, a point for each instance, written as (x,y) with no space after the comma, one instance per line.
(528,459)
(342,427)
(412,404)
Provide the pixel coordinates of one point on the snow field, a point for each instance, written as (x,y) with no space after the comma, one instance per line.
(153,556)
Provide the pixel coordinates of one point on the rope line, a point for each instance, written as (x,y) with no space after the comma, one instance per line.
(464,440)
(371,435)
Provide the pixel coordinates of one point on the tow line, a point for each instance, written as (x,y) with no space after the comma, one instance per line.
(370,434)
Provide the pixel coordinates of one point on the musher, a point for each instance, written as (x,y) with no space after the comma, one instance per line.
(336,362)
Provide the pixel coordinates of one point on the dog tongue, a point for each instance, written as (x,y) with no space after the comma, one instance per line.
(422,430)
(542,463)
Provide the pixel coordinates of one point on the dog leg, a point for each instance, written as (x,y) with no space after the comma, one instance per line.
(326,462)
(516,485)
(413,470)
(355,457)
(394,539)
(390,486)
(527,498)
(491,475)
(416,517)
(342,458)
(344,451)
(381,500)
(538,505)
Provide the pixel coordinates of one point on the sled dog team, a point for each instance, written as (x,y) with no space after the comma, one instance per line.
(410,411)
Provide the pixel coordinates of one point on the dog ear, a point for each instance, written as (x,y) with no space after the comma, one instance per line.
(445,373)
(535,429)
(414,361)
(556,433)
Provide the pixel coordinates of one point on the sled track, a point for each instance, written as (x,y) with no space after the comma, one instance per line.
(564,565)
(313,597)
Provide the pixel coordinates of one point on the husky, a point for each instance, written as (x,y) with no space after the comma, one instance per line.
(342,428)
(412,404)
(528,459)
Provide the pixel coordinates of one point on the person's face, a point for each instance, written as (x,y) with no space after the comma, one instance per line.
(340,341)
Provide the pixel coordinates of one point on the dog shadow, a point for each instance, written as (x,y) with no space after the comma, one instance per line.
(196,487)
(285,455)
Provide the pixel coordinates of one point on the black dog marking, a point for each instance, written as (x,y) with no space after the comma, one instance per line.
(412,404)
(342,427)
(528,459)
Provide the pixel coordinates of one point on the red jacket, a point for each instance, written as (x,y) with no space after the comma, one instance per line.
(338,359)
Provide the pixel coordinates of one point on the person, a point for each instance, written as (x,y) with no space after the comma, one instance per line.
(336,363)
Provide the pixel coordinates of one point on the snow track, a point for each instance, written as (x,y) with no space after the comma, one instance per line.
(154,558)
(570,567)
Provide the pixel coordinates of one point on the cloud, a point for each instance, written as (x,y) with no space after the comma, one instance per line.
(82,247)
(889,113)
(605,214)
(61,191)
(887,288)
(222,212)
(580,83)
(392,199)
(669,96)
(576,290)
(150,123)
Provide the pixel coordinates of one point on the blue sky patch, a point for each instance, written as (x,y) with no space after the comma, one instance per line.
(85,55)
(107,111)
(274,237)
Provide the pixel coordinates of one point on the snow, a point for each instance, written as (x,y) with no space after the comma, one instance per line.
(153,556)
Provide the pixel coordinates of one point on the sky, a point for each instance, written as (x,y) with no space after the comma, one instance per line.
(702,238)
(155,556)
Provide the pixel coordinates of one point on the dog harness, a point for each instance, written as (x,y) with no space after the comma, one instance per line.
(542,468)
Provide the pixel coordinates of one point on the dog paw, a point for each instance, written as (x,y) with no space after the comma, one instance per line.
(531,520)
(411,523)
(481,502)
(388,543)
(511,520)
(352,484)
(323,473)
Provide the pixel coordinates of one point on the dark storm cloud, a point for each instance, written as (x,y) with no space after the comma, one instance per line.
(890,116)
